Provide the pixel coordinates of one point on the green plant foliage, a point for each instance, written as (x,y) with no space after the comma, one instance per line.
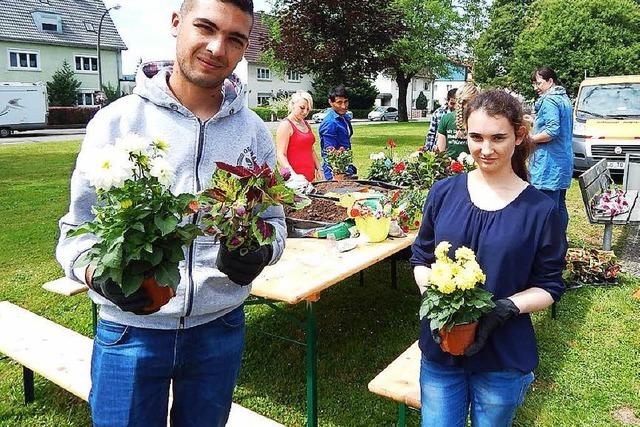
(422,103)
(63,87)
(111,93)
(575,37)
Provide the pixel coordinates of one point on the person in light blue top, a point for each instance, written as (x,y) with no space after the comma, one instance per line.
(336,130)
(551,165)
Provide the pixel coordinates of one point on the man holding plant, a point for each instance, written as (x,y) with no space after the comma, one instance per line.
(336,130)
(194,341)
(506,236)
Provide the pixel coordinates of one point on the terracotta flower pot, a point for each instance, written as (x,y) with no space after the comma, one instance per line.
(339,176)
(458,339)
(160,295)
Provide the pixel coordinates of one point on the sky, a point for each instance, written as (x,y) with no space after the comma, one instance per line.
(144,27)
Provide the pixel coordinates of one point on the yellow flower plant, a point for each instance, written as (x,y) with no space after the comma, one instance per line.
(455,296)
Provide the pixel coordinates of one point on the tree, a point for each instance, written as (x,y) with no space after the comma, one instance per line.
(111,93)
(429,39)
(421,102)
(576,37)
(337,41)
(362,93)
(63,87)
(493,52)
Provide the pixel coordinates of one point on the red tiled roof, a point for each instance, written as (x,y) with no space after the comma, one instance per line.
(258,34)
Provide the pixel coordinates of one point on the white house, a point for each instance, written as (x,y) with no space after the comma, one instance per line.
(262,82)
(433,90)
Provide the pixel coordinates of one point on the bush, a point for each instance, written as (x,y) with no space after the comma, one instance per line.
(71,115)
(266,113)
(360,113)
(63,87)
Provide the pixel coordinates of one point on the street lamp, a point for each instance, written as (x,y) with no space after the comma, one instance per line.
(115,7)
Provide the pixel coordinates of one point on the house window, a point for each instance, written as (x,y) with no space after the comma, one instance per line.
(293,76)
(264,74)
(86,64)
(24,60)
(49,22)
(85,99)
(89,26)
(264,98)
(449,87)
(426,85)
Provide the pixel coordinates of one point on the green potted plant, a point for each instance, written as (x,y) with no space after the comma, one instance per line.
(140,237)
(339,160)
(455,300)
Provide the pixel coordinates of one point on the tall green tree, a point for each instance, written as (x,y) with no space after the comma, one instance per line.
(576,37)
(436,33)
(493,51)
(63,87)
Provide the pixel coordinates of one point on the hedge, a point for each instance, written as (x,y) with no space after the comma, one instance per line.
(71,115)
(267,113)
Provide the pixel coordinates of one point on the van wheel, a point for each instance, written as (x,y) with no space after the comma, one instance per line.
(5,132)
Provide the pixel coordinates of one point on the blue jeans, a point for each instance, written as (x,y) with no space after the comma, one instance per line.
(558,197)
(131,369)
(447,392)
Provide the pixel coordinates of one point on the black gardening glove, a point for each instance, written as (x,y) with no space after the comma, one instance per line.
(504,310)
(242,269)
(134,303)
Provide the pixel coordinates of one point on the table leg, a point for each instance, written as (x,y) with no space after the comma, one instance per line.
(27,383)
(361,275)
(312,365)
(608,234)
(402,415)
(394,273)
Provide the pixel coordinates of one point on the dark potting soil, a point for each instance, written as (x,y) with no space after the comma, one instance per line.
(319,210)
(342,187)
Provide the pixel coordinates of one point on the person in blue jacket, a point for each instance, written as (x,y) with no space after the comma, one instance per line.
(336,130)
(514,230)
(551,165)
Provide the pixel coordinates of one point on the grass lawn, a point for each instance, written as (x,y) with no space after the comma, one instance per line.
(589,356)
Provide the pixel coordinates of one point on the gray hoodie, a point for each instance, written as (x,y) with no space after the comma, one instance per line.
(235,135)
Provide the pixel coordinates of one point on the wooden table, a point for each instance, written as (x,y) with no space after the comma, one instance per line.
(308,267)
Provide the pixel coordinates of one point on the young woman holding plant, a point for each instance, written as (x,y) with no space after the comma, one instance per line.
(515,232)
(295,139)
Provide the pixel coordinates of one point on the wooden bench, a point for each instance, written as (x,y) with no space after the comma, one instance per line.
(597,179)
(400,381)
(63,356)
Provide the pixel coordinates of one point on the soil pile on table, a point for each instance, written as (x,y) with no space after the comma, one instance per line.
(343,187)
(318,210)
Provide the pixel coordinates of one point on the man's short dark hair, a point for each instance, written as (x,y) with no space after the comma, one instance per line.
(244,5)
(451,94)
(340,91)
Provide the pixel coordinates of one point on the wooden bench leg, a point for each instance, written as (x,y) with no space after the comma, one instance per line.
(402,415)
(608,236)
(27,381)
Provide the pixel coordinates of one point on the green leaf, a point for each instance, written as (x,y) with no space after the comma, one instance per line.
(168,274)
(131,282)
(165,224)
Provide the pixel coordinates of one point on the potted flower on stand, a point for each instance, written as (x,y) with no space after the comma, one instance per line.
(235,199)
(339,160)
(455,300)
(138,221)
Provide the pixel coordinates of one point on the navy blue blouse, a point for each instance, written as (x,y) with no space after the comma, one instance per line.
(518,247)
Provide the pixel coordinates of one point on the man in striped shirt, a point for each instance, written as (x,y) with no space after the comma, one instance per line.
(431,140)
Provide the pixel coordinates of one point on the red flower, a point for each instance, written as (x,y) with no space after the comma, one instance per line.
(193,207)
(391,143)
(456,167)
(399,168)
(354,213)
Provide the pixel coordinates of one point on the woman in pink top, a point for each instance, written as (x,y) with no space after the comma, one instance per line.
(294,140)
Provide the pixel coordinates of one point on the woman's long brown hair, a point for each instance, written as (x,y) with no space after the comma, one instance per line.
(500,103)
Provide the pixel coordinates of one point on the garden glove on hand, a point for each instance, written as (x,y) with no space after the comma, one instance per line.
(504,310)
(242,269)
(134,303)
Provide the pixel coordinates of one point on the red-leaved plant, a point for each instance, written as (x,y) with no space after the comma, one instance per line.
(235,199)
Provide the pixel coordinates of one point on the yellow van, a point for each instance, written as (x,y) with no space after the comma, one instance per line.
(606,121)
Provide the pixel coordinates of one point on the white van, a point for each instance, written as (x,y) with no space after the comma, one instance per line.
(23,106)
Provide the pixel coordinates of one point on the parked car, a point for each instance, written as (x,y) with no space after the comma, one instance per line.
(606,121)
(23,106)
(383,114)
(318,117)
